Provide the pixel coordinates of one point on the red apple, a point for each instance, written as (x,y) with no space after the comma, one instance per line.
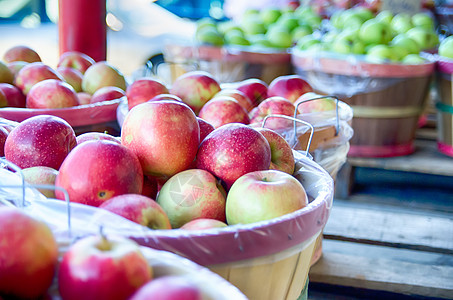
(264,195)
(51,93)
(33,73)
(89,136)
(223,110)
(21,53)
(28,255)
(192,194)
(72,76)
(170,287)
(273,106)
(14,96)
(150,187)
(41,175)
(41,140)
(16,66)
(75,60)
(96,267)
(107,93)
(3,135)
(240,97)
(102,74)
(98,170)
(282,157)
(143,90)
(233,150)
(84,98)
(163,134)
(289,87)
(201,224)
(254,88)
(195,88)
(6,75)
(161,97)
(318,105)
(139,209)
(205,128)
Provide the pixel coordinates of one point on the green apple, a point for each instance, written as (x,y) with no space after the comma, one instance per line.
(279,37)
(205,22)
(225,26)
(209,35)
(329,37)
(446,47)
(403,40)
(259,40)
(426,38)
(401,23)
(375,32)
(253,24)
(270,15)
(413,59)
(289,21)
(423,19)
(399,52)
(301,31)
(364,12)
(385,16)
(234,37)
(347,42)
(380,54)
(306,42)
(336,19)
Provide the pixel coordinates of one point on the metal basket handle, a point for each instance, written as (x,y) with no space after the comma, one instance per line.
(37,186)
(295,120)
(328,97)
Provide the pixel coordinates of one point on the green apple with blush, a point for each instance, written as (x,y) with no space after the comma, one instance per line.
(446,47)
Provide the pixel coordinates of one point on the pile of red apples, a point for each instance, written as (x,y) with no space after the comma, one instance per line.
(191,156)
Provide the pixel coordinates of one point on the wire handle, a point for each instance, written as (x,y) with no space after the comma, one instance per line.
(328,97)
(24,185)
(295,120)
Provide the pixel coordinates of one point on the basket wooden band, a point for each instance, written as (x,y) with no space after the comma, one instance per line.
(381,151)
(386,112)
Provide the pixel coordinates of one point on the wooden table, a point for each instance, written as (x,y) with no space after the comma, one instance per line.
(390,233)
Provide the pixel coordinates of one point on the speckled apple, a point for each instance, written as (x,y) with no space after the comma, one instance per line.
(282,157)
(223,110)
(273,106)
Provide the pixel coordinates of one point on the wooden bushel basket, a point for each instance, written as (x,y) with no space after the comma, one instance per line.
(444,77)
(387,99)
(228,63)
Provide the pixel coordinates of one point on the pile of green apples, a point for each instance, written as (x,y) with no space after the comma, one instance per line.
(380,38)
(271,27)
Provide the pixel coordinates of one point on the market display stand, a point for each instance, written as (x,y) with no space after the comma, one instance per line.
(400,243)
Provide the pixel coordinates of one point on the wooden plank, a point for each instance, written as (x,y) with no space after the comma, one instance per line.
(426,159)
(396,229)
(383,274)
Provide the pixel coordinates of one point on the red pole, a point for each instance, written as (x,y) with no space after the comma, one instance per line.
(82,27)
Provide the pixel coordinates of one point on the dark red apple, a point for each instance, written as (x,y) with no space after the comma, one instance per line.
(223,110)
(89,136)
(170,287)
(33,73)
(150,187)
(163,134)
(98,170)
(195,88)
(254,88)
(289,87)
(107,93)
(97,267)
(51,93)
(144,89)
(28,255)
(273,106)
(14,96)
(233,150)
(139,209)
(21,53)
(42,140)
(75,60)
(205,128)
